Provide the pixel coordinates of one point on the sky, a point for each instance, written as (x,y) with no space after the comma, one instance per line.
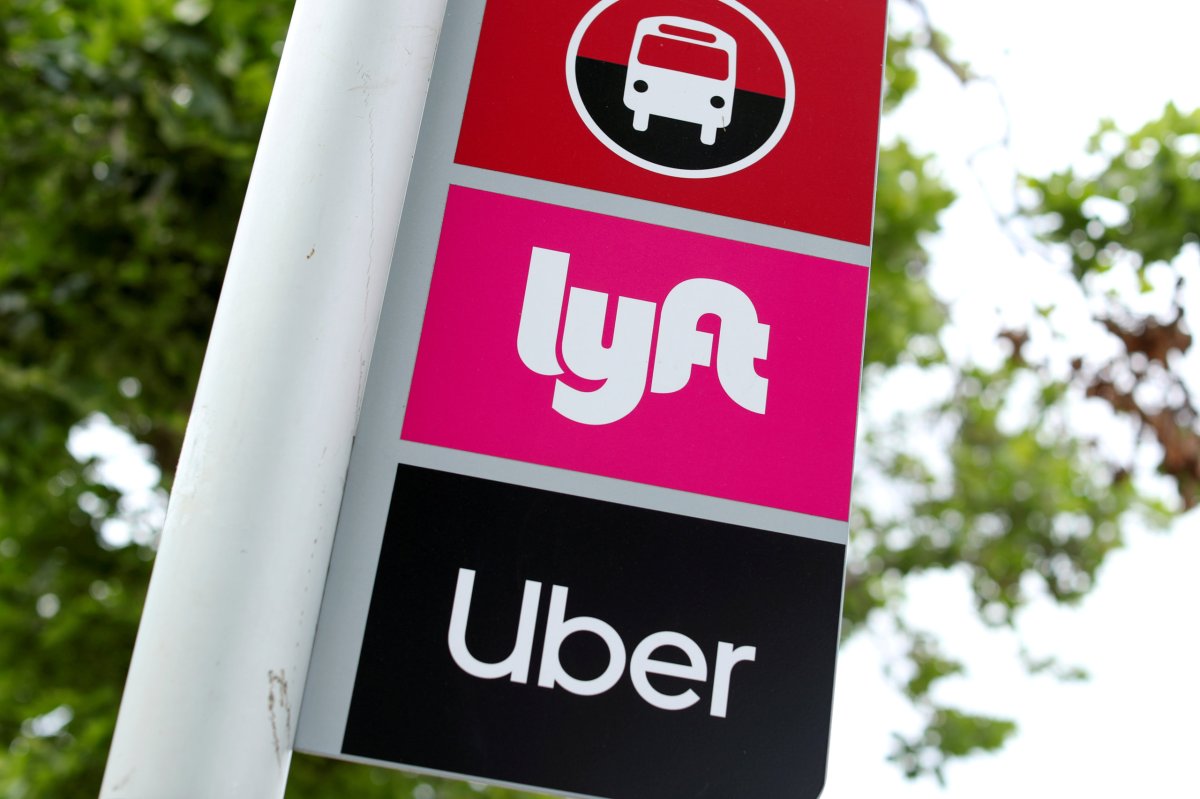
(1057,69)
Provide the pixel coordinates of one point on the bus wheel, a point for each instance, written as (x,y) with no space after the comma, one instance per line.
(641,120)
(708,134)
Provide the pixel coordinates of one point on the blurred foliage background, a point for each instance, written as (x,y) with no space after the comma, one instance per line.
(127,132)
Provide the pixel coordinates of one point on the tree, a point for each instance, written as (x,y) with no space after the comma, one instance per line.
(126,139)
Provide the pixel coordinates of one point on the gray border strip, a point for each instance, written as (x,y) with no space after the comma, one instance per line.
(666,215)
(626,492)
(372,472)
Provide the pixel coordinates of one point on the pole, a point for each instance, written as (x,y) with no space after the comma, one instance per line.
(213,691)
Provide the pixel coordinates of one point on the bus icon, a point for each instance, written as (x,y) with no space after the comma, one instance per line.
(681,69)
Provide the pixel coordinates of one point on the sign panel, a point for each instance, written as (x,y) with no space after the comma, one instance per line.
(532,290)
(555,80)
(593,535)
(530,654)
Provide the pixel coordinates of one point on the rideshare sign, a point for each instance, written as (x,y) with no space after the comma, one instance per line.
(563,337)
(594,529)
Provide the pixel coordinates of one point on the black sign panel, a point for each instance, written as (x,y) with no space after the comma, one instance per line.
(595,648)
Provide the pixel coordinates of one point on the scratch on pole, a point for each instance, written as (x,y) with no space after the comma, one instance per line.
(277,701)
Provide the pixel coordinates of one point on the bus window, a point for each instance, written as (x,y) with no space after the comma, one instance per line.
(680,56)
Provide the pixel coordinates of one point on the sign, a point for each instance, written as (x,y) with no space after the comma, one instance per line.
(530,285)
(594,530)
(593,647)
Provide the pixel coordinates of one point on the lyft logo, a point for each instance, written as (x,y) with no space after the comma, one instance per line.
(624,364)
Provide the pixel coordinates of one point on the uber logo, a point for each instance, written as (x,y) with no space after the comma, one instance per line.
(559,628)
(625,362)
(593,648)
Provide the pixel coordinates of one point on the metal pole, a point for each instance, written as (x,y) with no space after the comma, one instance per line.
(213,691)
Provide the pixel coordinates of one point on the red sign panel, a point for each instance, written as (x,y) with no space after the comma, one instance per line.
(772,114)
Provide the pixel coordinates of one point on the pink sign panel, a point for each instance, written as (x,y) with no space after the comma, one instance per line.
(628,350)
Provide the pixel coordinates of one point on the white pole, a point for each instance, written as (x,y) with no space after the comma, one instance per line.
(213,692)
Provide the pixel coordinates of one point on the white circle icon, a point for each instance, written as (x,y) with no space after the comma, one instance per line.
(662,91)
